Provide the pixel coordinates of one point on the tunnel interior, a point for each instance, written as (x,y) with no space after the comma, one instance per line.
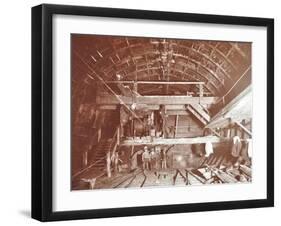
(188,102)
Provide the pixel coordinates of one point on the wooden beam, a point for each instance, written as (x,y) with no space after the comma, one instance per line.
(200,109)
(146,91)
(118,135)
(179,109)
(176,125)
(223,117)
(171,141)
(196,114)
(243,128)
(214,132)
(200,92)
(178,112)
(172,108)
(154,100)
(225,177)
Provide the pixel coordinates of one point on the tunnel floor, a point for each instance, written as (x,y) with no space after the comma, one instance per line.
(145,178)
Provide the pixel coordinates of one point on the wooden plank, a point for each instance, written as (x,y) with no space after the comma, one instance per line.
(171,109)
(171,141)
(246,170)
(223,117)
(226,178)
(201,111)
(196,114)
(200,92)
(214,132)
(154,100)
(179,109)
(243,128)
(177,112)
(176,125)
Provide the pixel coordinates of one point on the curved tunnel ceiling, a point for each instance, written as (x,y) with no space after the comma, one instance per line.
(219,64)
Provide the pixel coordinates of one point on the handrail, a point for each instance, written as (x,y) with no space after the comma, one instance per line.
(95,135)
(90,166)
(114,138)
(113,142)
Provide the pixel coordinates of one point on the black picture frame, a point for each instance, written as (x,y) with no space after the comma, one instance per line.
(42,107)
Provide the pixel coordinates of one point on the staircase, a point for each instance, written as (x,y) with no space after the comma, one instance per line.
(100,153)
(199,112)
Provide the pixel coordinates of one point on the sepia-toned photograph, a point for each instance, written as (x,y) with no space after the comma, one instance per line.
(149,111)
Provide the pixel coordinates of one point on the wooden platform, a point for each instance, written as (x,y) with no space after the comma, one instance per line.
(171,141)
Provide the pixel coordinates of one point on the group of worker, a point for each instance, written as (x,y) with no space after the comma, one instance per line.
(154,159)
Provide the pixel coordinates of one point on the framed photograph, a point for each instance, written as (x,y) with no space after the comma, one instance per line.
(145,112)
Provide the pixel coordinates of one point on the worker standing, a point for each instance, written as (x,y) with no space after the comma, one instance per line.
(108,164)
(163,159)
(152,159)
(146,158)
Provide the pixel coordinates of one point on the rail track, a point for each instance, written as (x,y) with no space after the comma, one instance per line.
(136,180)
